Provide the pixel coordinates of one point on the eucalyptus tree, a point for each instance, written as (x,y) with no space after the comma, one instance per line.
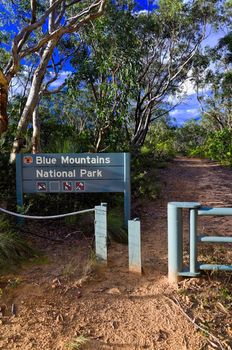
(217,103)
(135,60)
(31,32)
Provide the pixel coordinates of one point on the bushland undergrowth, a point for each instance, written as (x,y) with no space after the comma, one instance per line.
(157,149)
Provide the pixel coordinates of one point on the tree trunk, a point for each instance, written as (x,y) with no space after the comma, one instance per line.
(3,103)
(36,147)
(141,129)
(32,99)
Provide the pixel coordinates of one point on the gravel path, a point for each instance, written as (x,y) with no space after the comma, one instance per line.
(59,301)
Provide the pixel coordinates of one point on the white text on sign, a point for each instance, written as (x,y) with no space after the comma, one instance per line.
(72,174)
(90,173)
(67,160)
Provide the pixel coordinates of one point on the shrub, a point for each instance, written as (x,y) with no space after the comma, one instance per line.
(219,146)
(13,249)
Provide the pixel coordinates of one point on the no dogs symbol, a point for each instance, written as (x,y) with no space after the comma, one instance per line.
(67,186)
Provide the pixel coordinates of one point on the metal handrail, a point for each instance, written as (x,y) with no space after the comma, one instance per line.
(208,211)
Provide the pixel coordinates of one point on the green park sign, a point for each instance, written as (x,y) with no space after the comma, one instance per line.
(78,173)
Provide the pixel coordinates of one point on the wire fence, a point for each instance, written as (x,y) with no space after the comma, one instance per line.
(36,217)
(100,225)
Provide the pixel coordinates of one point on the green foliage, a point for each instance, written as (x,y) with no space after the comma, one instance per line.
(217,105)
(145,182)
(120,82)
(226,293)
(160,141)
(193,139)
(170,8)
(105,78)
(4,57)
(228,8)
(106,97)
(13,283)
(158,148)
(7,183)
(218,146)
(212,136)
(77,343)
(190,138)
(13,249)
(116,227)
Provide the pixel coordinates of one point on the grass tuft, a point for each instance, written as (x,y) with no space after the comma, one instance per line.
(13,249)
(116,229)
(77,343)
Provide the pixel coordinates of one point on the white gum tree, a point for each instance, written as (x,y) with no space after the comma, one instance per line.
(38,26)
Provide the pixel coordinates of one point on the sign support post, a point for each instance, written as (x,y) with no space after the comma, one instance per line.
(127,190)
(19,186)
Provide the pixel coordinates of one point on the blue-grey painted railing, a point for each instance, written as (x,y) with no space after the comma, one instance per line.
(100,223)
(134,246)
(175,239)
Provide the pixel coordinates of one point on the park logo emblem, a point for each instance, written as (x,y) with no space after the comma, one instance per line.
(27,160)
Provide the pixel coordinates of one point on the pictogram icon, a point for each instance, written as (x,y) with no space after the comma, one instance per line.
(67,186)
(41,186)
(80,186)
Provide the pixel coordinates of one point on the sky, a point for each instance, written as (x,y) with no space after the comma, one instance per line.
(189,108)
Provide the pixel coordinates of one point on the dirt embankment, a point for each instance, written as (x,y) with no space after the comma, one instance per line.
(58,302)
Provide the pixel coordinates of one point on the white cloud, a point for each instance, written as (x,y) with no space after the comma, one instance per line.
(189,113)
(21,84)
(188,88)
(175,112)
(60,80)
(173,99)
(140,12)
(192,111)
(182,114)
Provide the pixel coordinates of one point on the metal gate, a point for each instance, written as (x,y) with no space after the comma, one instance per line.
(175,239)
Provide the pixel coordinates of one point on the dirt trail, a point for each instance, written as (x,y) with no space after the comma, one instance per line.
(113,309)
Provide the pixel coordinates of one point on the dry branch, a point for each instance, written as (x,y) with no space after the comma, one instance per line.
(214,342)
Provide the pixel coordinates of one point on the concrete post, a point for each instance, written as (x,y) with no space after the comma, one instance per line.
(134,246)
(101,232)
